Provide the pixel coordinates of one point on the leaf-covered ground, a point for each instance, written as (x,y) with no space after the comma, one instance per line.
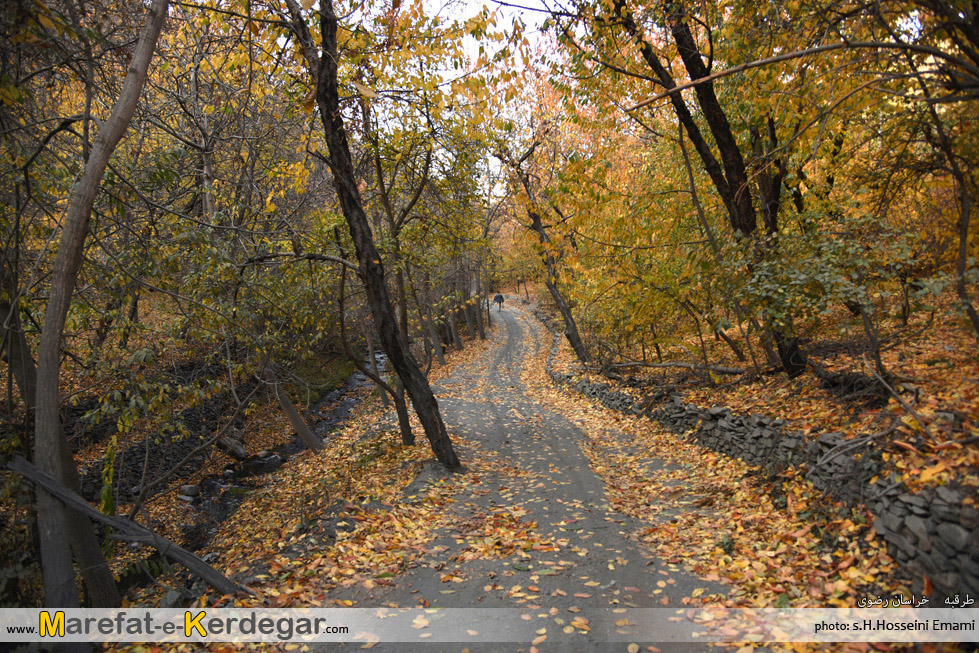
(930,423)
(564,507)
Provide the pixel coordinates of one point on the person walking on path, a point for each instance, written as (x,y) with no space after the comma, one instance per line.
(499,300)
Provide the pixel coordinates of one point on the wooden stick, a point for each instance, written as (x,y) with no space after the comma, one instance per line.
(689,366)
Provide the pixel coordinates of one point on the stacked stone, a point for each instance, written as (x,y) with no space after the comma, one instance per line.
(929,533)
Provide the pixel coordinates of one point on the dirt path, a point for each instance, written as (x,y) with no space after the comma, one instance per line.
(526,467)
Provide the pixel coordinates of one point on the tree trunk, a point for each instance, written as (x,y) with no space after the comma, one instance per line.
(371,270)
(19,358)
(550,265)
(452,318)
(789,354)
(470,327)
(733,345)
(478,307)
(436,340)
(50,447)
(965,210)
(310,439)
(123,528)
(570,326)
(404,420)
(729,176)
(99,584)
(131,319)
(385,401)
(430,315)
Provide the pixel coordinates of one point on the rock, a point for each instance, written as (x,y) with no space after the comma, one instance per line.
(879,527)
(945,581)
(944,549)
(953,535)
(914,500)
(967,564)
(829,440)
(185,498)
(944,512)
(901,543)
(969,517)
(789,443)
(234,448)
(717,411)
(917,527)
(919,510)
(189,490)
(171,599)
(948,495)
(892,522)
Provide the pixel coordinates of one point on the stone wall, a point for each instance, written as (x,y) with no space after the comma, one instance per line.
(931,532)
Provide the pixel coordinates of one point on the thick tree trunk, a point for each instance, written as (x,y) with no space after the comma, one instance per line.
(371,270)
(791,357)
(50,448)
(470,327)
(99,584)
(570,326)
(965,210)
(404,420)
(452,319)
(131,319)
(430,315)
(729,176)
(478,306)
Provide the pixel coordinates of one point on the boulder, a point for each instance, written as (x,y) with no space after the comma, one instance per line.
(234,448)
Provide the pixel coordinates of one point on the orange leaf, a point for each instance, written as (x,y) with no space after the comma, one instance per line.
(904,445)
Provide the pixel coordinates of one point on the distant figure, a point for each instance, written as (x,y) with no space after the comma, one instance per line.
(499,300)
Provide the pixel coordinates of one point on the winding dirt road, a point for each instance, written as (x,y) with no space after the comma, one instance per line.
(526,467)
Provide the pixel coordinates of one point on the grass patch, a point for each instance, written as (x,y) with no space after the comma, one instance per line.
(319,373)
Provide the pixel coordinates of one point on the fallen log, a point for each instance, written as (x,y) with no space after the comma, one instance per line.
(310,439)
(125,529)
(717,369)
